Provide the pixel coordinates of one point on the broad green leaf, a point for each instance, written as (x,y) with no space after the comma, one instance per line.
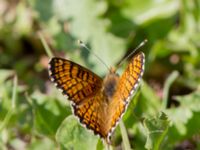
(88,27)
(109,47)
(83,22)
(71,135)
(147,10)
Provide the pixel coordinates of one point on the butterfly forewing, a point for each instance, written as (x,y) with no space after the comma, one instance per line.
(75,81)
(131,77)
(128,84)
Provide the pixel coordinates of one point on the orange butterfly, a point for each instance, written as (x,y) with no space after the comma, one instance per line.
(98,103)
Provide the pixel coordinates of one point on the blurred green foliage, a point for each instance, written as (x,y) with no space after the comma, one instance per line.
(164,114)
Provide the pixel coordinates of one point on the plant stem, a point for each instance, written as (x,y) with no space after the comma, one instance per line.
(13,105)
(44,43)
(125,139)
(172,77)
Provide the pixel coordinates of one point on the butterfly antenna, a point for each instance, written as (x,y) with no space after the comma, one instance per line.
(138,47)
(84,46)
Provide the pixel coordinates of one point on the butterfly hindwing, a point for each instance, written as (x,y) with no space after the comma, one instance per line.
(93,114)
(75,81)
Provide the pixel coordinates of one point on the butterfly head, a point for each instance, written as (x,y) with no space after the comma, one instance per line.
(112,70)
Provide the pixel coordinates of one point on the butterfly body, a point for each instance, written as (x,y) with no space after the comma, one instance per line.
(98,103)
(109,85)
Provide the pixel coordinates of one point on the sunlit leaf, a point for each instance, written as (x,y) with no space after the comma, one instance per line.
(71,135)
(147,10)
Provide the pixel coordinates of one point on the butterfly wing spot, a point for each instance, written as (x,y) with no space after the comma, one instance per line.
(85,76)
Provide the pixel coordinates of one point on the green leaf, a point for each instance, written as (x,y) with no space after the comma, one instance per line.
(147,10)
(71,135)
(48,113)
(184,118)
(83,22)
(90,28)
(156,130)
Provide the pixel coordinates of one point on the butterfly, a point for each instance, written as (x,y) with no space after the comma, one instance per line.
(99,103)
